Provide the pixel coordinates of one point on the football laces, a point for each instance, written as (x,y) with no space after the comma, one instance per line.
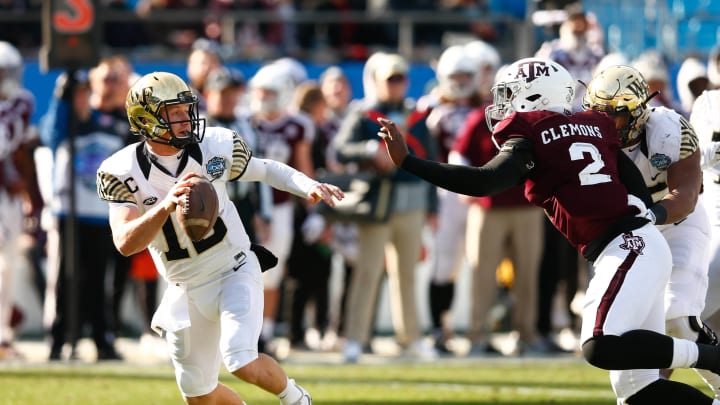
(186,203)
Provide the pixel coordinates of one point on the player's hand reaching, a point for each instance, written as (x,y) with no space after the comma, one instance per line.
(394,141)
(325,192)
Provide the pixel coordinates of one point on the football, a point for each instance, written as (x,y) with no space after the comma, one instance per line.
(198,211)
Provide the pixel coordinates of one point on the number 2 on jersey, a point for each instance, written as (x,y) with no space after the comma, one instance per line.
(590,174)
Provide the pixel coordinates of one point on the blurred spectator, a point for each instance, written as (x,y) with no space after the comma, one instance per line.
(100,129)
(396,241)
(19,191)
(337,93)
(487,60)
(123,34)
(573,51)
(174,34)
(651,64)
(310,259)
(456,94)
(109,84)
(611,59)
(499,226)
(145,280)
(224,93)
(287,138)
(341,35)
(713,67)
(692,79)
(293,68)
(423,34)
(204,57)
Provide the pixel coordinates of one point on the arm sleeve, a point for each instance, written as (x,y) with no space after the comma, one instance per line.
(241,155)
(278,175)
(265,201)
(631,177)
(508,168)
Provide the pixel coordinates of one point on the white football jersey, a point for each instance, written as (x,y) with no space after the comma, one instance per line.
(129,176)
(668,138)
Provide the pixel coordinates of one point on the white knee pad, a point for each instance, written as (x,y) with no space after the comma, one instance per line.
(193,382)
(627,383)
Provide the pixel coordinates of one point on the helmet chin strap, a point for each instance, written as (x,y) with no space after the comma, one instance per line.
(650,97)
(175,142)
(180,143)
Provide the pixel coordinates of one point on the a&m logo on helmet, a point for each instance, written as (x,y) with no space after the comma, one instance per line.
(533,69)
(633,243)
(216,167)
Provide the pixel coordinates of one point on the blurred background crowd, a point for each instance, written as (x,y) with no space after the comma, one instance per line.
(302,81)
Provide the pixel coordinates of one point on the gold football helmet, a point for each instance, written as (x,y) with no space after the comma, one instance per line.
(145,105)
(621,90)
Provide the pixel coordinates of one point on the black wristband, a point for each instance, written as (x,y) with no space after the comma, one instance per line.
(660,214)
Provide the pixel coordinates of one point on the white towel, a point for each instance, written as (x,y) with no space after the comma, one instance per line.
(173,313)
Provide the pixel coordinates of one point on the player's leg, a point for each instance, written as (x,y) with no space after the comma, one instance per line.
(693,329)
(711,198)
(485,246)
(449,240)
(280,242)
(663,391)
(623,322)
(240,309)
(526,253)
(402,260)
(686,291)
(9,255)
(221,395)
(364,287)
(196,360)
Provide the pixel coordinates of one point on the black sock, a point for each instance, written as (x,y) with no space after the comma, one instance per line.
(441,296)
(708,358)
(669,392)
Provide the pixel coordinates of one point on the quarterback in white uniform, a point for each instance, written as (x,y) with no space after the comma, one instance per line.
(212,309)
(665,148)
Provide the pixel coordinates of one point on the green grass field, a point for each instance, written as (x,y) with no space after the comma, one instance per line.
(566,381)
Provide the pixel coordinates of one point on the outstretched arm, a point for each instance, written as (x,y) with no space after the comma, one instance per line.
(507,169)
(285,178)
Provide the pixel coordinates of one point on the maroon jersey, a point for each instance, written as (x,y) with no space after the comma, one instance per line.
(279,139)
(444,124)
(575,178)
(14,121)
(15,115)
(474,143)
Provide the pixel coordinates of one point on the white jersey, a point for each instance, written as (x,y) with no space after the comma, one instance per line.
(129,177)
(664,135)
(669,138)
